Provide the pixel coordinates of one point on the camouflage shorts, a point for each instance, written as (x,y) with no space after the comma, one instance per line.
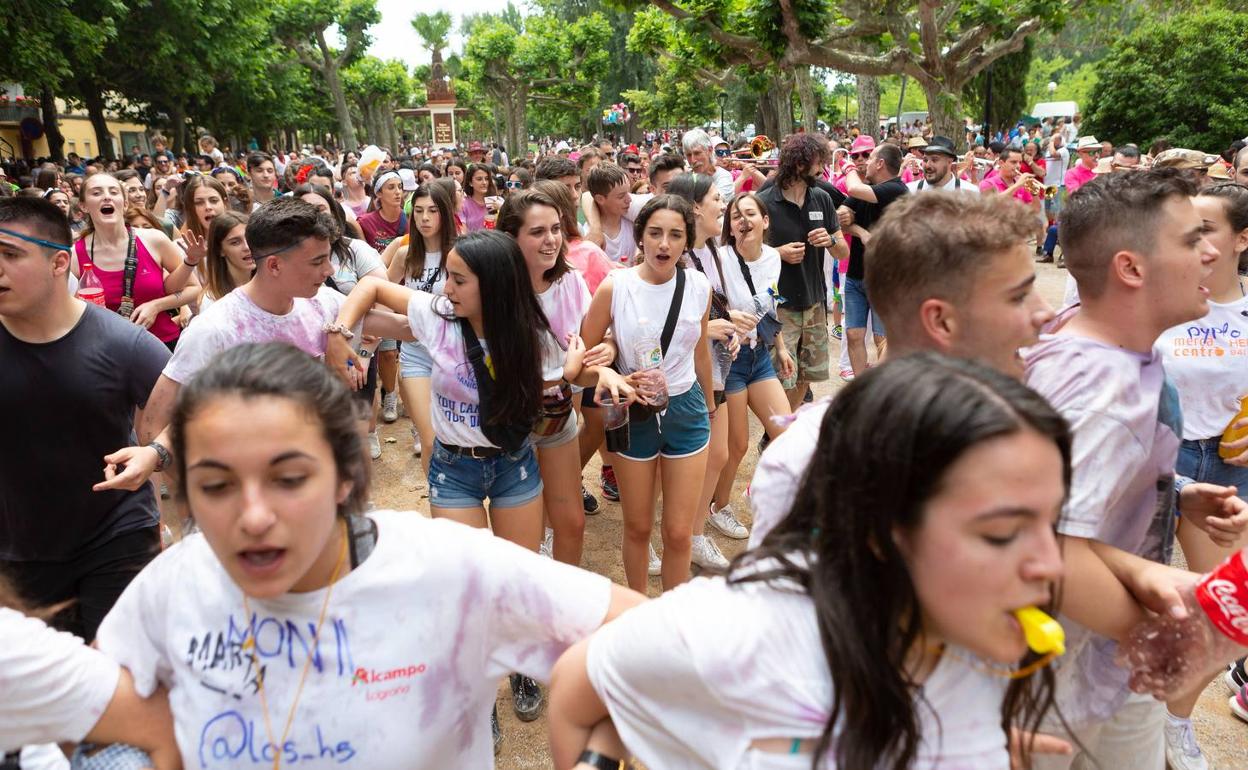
(805,334)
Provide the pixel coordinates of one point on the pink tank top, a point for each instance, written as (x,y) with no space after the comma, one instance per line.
(149,284)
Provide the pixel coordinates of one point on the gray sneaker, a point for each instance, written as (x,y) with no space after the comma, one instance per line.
(706,554)
(727,523)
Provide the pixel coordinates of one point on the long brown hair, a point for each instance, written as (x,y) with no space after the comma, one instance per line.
(414,265)
(193,183)
(511,221)
(217,268)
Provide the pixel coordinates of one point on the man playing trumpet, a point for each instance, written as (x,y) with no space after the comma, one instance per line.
(1010,181)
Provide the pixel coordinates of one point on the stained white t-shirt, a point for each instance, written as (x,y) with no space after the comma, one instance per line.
(623,247)
(1126,421)
(456,402)
(638,313)
(404,671)
(54,687)
(1207,360)
(781,467)
(764,272)
(690,686)
(235,320)
(565,303)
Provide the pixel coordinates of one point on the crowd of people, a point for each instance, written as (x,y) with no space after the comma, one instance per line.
(196,360)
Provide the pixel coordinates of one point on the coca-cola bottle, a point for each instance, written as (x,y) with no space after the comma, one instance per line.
(1169,656)
(89,287)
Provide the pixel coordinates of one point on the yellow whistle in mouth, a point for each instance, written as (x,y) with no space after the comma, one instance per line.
(1044,634)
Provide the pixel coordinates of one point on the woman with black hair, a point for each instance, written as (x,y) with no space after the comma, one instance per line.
(481,197)
(878,620)
(352,259)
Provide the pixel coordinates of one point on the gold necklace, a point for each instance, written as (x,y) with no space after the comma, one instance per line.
(250,644)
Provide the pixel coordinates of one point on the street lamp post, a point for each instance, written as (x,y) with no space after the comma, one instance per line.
(722,98)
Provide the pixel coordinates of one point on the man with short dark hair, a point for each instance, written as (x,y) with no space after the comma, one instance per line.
(561,170)
(662,170)
(867,202)
(616,209)
(263,175)
(631,163)
(1126,158)
(74,377)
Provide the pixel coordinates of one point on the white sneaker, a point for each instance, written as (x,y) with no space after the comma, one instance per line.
(374,446)
(655,567)
(416,449)
(706,554)
(547,548)
(725,522)
(1182,751)
(390,406)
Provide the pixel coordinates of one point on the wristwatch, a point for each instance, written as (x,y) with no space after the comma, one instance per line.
(600,761)
(163,458)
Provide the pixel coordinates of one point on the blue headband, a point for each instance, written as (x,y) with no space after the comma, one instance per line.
(38,241)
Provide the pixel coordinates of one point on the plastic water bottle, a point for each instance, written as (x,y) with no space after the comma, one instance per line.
(1170,657)
(89,287)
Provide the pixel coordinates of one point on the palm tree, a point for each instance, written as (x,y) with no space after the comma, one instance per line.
(434,30)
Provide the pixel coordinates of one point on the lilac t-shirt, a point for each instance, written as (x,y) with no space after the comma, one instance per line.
(235,320)
(1126,422)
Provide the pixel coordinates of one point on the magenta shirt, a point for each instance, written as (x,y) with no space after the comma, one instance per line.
(473,214)
(998,183)
(149,284)
(1077,177)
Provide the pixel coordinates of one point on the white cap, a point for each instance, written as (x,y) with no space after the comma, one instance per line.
(410,182)
(563,147)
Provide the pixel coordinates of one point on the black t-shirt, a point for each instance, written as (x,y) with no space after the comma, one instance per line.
(66,404)
(802,285)
(866,214)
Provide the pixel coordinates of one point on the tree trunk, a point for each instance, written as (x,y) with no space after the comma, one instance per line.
(334,84)
(944,109)
(868,104)
(95,111)
(512,102)
(781,96)
(806,96)
(177,117)
(52,124)
(392,125)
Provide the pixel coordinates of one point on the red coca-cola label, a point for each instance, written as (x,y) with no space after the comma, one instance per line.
(1223,595)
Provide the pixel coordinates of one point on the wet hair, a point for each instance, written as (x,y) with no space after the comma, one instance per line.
(665,202)
(837,543)
(605,177)
(217,277)
(279,370)
(799,153)
(414,264)
(489,175)
(1234,199)
(511,221)
(43,217)
(726,237)
(189,186)
(665,162)
(283,223)
(555,168)
(1116,212)
(513,322)
(935,246)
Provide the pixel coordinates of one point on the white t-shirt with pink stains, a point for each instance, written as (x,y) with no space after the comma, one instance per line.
(456,401)
(689,686)
(235,320)
(403,672)
(565,303)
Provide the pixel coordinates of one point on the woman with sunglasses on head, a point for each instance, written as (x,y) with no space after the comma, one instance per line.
(419,263)
(143,273)
(299,647)
(1207,368)
(657,312)
(481,201)
(708,212)
(878,620)
(228,263)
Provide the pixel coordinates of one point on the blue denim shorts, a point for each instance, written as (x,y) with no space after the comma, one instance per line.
(1199,460)
(414,360)
(387,344)
(508,480)
(684,429)
(750,366)
(857,306)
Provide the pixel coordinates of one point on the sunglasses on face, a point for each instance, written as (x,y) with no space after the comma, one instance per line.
(859,155)
(722,152)
(514,185)
(635,169)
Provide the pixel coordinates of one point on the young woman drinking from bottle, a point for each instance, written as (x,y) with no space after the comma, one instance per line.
(493,354)
(297,647)
(657,312)
(878,619)
(708,214)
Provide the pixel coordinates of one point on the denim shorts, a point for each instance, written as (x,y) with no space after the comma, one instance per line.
(684,429)
(857,306)
(750,366)
(1199,460)
(387,344)
(415,361)
(507,480)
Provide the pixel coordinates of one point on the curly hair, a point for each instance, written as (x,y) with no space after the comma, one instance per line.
(796,156)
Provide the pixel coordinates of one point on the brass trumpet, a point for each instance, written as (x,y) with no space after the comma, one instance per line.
(761,152)
(1035,187)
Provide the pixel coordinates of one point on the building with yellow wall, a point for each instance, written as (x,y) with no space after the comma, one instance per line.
(75,126)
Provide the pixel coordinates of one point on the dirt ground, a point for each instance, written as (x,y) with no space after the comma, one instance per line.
(399,483)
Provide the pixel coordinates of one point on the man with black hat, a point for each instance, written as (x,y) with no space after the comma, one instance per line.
(939,169)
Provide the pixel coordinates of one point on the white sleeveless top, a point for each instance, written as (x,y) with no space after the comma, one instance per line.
(638,312)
